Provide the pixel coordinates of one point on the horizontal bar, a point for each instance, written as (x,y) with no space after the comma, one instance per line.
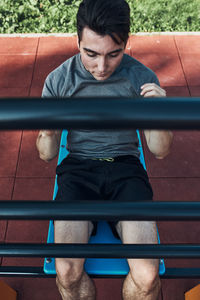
(99,210)
(18,271)
(173,273)
(105,113)
(100,250)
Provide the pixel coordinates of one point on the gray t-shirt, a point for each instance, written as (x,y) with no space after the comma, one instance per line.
(71,79)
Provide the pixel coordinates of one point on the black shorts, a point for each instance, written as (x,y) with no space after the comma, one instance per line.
(123,179)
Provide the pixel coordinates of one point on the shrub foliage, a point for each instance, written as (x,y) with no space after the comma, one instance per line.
(59,16)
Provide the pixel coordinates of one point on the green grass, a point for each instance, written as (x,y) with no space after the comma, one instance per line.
(59,16)
(165,15)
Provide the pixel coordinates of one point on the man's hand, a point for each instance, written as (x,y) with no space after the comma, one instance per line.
(47,143)
(47,132)
(152,90)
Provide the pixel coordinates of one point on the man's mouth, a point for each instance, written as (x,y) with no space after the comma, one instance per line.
(102,74)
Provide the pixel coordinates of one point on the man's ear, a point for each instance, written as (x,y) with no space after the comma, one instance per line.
(78,42)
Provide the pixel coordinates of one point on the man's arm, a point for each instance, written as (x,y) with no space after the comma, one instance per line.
(158,141)
(47,143)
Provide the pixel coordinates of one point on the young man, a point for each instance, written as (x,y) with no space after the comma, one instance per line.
(103,164)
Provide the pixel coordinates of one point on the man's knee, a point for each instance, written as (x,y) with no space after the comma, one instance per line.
(69,272)
(146,278)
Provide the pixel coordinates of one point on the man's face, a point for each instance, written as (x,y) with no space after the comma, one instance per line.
(100,55)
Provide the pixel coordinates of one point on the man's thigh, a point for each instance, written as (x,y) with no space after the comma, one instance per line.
(133,189)
(72,232)
(139,232)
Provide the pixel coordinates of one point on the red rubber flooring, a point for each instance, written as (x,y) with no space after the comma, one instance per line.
(24,64)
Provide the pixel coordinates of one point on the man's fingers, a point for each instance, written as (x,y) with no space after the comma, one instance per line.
(47,132)
(151,94)
(152,90)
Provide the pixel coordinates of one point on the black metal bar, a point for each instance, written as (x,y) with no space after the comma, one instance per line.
(105,113)
(173,273)
(18,271)
(99,210)
(37,272)
(100,250)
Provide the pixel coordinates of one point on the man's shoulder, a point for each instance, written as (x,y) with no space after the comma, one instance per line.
(63,69)
(59,77)
(135,65)
(137,69)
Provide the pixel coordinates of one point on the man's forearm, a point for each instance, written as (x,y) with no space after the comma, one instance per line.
(48,142)
(159,142)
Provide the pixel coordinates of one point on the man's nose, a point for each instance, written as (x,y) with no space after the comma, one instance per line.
(102,64)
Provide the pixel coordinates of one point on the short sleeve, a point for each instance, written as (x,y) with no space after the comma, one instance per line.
(48,89)
(155,79)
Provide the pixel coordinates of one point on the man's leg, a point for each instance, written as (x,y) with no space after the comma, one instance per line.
(72,281)
(142,282)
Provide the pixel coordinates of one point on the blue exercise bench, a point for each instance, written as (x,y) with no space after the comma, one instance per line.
(96,266)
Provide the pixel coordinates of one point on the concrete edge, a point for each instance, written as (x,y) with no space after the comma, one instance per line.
(34,35)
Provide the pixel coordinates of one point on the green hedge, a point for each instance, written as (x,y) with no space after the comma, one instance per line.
(54,16)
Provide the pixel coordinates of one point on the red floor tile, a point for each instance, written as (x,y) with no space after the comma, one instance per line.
(180,232)
(9,148)
(175,289)
(44,65)
(155,43)
(16,70)
(33,189)
(6,188)
(55,45)
(30,165)
(14,92)
(22,261)
(25,232)
(189,44)
(195,91)
(36,91)
(18,45)
(191,67)
(183,160)
(177,91)
(182,263)
(109,289)
(33,288)
(160,54)
(20,231)
(3,227)
(176,189)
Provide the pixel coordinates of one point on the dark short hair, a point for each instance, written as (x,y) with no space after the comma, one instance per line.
(105,17)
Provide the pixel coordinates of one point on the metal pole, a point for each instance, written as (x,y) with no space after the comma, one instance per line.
(173,273)
(105,113)
(99,210)
(100,250)
(35,272)
(13,271)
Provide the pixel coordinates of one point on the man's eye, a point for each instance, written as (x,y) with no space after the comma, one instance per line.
(114,55)
(91,54)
